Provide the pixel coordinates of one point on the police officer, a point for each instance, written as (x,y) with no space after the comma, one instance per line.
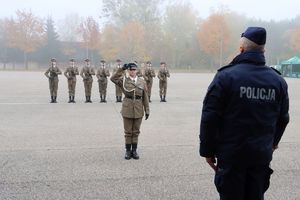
(71,73)
(163,75)
(118,88)
(134,105)
(102,74)
(149,75)
(87,73)
(52,74)
(244,115)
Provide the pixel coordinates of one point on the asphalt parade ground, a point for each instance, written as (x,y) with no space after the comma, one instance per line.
(75,151)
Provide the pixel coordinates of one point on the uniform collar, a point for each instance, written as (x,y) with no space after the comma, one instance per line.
(133,79)
(254,57)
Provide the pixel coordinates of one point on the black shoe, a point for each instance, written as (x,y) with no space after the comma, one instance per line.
(128,155)
(135,155)
(73,99)
(54,99)
(70,99)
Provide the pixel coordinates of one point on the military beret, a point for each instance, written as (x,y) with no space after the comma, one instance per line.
(87,60)
(257,35)
(53,60)
(72,60)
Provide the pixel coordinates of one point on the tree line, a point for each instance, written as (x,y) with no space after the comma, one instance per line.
(156,30)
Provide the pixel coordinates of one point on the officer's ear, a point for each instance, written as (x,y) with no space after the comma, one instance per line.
(242,49)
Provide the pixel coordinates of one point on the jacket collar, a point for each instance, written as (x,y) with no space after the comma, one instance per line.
(253,57)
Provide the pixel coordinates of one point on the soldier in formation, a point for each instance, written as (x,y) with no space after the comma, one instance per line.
(71,73)
(149,75)
(102,74)
(163,75)
(52,74)
(87,73)
(118,88)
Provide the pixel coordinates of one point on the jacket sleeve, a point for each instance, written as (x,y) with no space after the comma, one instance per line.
(58,71)
(284,116)
(146,99)
(98,74)
(212,111)
(47,73)
(117,77)
(66,73)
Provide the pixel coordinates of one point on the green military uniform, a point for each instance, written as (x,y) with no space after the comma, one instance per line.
(102,74)
(52,74)
(118,88)
(149,75)
(134,105)
(87,73)
(139,73)
(71,73)
(163,76)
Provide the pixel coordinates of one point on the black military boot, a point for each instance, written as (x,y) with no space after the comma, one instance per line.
(73,99)
(128,152)
(164,100)
(161,98)
(104,99)
(117,99)
(51,99)
(90,101)
(101,99)
(134,154)
(150,99)
(120,99)
(70,99)
(54,99)
(86,99)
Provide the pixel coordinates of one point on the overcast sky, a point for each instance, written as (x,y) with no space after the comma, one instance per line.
(260,9)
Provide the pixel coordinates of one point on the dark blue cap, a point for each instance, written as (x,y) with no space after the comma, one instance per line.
(257,35)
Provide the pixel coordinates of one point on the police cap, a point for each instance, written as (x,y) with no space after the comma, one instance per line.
(257,35)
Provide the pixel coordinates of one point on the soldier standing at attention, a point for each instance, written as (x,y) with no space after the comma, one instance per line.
(102,74)
(163,76)
(52,74)
(71,73)
(244,115)
(134,105)
(87,73)
(118,88)
(149,75)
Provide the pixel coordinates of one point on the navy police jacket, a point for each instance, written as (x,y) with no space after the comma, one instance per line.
(245,112)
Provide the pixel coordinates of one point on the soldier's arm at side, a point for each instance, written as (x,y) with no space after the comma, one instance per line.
(168,74)
(117,78)
(66,73)
(47,73)
(92,71)
(98,74)
(283,119)
(211,116)
(81,74)
(58,71)
(107,73)
(159,75)
(76,71)
(146,100)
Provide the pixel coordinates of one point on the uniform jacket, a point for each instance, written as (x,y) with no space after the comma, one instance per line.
(245,112)
(132,107)
(52,73)
(149,74)
(163,74)
(71,73)
(86,73)
(102,74)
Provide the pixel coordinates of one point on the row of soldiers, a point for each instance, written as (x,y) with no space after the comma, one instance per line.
(102,73)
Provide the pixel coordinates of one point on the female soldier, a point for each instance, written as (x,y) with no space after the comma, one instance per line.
(134,104)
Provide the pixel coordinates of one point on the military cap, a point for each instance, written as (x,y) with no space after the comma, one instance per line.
(148,62)
(131,66)
(162,63)
(257,35)
(102,61)
(72,60)
(87,60)
(53,60)
(118,60)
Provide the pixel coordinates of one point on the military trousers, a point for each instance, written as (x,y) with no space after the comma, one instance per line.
(118,91)
(71,86)
(243,183)
(163,88)
(88,87)
(53,86)
(149,86)
(132,129)
(102,87)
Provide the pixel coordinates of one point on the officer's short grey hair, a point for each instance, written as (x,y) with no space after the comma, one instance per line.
(249,45)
